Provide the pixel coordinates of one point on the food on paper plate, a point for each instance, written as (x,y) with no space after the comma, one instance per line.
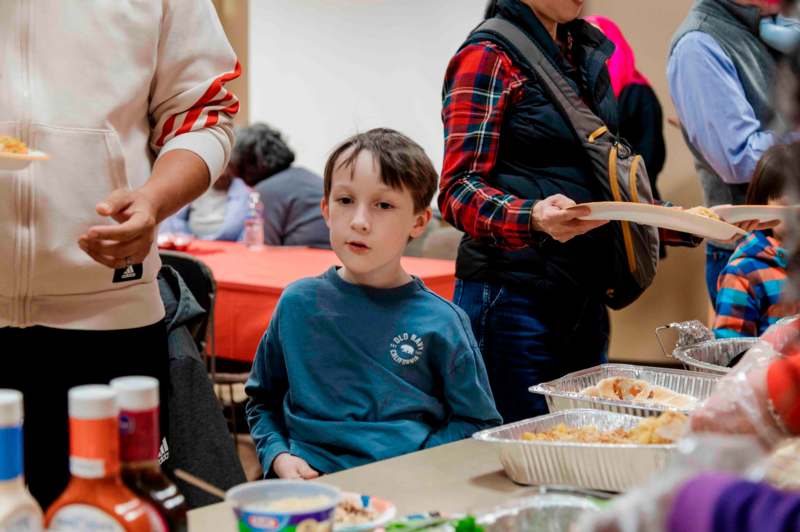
(12,145)
(639,391)
(704,211)
(663,429)
(350,512)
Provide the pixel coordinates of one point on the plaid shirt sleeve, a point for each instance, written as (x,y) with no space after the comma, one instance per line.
(736,306)
(479,85)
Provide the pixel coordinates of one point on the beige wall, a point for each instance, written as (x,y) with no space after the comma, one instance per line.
(234,17)
(679,290)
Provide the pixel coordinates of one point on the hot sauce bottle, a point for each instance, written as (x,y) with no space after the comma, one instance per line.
(139,437)
(95,498)
(18,510)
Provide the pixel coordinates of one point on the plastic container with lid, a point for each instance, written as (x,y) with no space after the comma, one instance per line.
(95,498)
(18,510)
(139,436)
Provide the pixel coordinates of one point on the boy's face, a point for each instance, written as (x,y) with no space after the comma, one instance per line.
(370,223)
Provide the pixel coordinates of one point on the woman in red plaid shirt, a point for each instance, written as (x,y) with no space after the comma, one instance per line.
(530,274)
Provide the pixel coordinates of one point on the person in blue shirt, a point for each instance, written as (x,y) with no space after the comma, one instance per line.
(721,73)
(218,214)
(364,362)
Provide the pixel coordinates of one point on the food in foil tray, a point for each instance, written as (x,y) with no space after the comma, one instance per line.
(663,429)
(639,391)
(12,145)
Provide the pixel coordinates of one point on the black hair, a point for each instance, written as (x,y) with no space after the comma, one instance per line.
(259,153)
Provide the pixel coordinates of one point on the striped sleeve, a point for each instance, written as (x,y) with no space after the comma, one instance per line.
(480,84)
(737,307)
(190,106)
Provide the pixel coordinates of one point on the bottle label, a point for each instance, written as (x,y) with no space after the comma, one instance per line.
(139,434)
(93,447)
(10,452)
(157,523)
(23,521)
(81,517)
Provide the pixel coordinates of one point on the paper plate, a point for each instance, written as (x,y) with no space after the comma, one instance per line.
(665,217)
(13,162)
(762,213)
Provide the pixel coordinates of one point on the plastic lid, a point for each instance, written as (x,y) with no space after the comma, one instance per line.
(10,407)
(136,393)
(94,401)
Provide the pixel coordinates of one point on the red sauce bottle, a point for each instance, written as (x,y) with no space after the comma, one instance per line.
(139,436)
(95,498)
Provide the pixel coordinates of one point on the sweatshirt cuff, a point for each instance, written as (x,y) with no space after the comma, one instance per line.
(270,453)
(205,145)
(695,502)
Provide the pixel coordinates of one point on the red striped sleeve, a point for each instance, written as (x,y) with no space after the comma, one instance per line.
(204,105)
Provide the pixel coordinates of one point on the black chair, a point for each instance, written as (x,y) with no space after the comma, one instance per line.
(201,284)
(200,281)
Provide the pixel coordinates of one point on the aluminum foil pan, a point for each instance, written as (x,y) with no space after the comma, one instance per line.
(713,356)
(565,393)
(608,467)
(541,512)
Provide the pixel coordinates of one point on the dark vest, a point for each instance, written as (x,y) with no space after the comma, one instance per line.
(735,29)
(539,156)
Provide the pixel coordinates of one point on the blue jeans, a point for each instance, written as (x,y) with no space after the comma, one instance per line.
(526,340)
(716,260)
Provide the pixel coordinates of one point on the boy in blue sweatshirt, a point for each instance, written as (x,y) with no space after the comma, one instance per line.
(364,362)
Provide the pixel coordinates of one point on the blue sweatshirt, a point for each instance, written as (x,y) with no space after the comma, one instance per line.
(347,374)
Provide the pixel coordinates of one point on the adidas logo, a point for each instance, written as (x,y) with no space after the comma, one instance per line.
(163,451)
(129,272)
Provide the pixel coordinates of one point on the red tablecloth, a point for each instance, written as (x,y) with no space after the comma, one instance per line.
(249,284)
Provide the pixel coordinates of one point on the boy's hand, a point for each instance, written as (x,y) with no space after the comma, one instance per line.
(288,466)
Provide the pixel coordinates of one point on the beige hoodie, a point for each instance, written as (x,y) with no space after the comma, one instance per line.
(104,87)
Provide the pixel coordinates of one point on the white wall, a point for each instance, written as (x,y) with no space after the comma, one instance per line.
(321,70)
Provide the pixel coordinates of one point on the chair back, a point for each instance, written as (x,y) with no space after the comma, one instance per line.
(201,284)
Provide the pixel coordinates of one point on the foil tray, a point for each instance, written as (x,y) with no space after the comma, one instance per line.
(714,356)
(564,393)
(600,466)
(543,510)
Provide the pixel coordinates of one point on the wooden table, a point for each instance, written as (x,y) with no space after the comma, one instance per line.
(249,284)
(464,476)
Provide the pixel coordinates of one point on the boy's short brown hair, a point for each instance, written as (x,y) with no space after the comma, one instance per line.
(403,163)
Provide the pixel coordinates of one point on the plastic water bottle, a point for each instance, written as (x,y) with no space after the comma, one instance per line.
(254,223)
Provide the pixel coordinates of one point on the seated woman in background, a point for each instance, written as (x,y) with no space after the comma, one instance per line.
(291,195)
(216,215)
(750,286)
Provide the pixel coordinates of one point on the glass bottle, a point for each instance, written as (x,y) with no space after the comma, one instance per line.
(139,438)
(254,222)
(95,498)
(18,509)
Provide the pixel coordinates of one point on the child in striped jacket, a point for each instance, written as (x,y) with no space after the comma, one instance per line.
(750,286)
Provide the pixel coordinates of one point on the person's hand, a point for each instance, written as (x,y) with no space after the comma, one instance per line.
(553,216)
(739,403)
(755,225)
(128,242)
(289,466)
